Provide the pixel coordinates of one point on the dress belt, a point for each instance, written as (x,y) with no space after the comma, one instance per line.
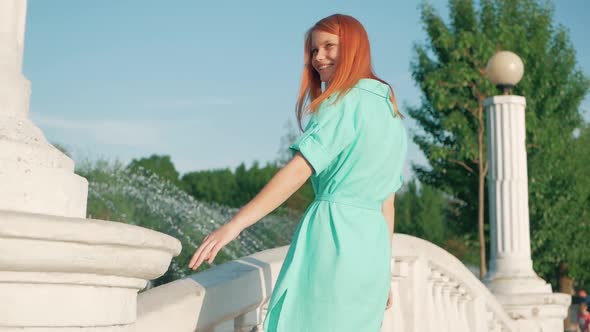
(356,202)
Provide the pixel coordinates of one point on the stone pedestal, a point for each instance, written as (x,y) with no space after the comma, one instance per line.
(34,176)
(526,297)
(58,272)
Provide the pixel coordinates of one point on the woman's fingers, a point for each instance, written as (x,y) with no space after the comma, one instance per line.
(197,253)
(212,243)
(214,252)
(201,253)
(205,253)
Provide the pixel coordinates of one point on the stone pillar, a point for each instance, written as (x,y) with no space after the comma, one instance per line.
(525,296)
(511,266)
(12,34)
(59,271)
(35,176)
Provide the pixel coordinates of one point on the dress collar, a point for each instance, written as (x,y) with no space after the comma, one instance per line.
(374,86)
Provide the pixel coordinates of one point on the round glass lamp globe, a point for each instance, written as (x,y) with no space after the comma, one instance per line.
(505,69)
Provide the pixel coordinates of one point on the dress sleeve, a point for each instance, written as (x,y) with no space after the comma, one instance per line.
(330,130)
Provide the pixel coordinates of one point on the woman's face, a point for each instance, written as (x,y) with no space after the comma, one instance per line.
(324,54)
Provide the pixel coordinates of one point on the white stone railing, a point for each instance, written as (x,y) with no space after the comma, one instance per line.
(433,291)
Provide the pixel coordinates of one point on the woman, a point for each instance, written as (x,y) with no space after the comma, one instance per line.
(336,275)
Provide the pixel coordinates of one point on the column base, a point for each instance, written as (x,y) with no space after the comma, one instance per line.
(517,285)
(536,312)
(514,275)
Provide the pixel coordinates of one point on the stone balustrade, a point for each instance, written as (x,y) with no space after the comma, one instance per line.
(433,291)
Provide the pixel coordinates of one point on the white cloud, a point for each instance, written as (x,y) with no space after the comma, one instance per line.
(106,131)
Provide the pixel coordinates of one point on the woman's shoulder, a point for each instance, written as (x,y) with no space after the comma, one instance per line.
(372,86)
(340,100)
(353,98)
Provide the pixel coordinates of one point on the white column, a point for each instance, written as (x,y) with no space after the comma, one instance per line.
(35,177)
(58,271)
(12,33)
(511,277)
(511,266)
(14,87)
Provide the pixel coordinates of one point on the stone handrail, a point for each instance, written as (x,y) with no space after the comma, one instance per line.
(433,291)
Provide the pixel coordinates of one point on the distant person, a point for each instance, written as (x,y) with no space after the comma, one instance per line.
(584,317)
(336,275)
(584,296)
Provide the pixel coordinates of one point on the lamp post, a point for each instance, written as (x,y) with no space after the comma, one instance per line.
(525,296)
(510,261)
(505,70)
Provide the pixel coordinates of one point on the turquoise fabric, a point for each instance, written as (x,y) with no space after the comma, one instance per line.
(336,275)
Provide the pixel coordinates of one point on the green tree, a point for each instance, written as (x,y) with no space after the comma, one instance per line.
(450,71)
(237,188)
(566,221)
(285,153)
(217,185)
(162,166)
(250,181)
(422,213)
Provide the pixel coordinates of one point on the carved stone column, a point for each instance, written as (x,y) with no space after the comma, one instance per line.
(525,296)
(511,266)
(59,271)
(34,176)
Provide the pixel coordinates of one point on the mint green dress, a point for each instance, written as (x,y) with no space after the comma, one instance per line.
(336,275)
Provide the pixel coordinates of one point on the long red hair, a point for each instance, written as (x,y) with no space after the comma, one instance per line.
(354,63)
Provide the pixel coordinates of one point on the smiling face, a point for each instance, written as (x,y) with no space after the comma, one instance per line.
(324,54)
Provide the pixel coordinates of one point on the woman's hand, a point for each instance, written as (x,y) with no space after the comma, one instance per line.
(389,300)
(213,242)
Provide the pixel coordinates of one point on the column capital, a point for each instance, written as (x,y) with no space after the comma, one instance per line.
(505,99)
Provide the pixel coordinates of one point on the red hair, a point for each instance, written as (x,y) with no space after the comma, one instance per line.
(354,63)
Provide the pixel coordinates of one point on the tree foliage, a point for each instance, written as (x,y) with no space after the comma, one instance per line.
(237,188)
(421,213)
(159,165)
(450,71)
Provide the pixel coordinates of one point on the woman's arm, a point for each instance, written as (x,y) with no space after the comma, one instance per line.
(388,209)
(282,185)
(389,213)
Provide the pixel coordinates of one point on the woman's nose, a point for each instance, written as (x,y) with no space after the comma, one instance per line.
(320,55)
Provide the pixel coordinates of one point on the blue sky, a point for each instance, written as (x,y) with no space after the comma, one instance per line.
(210,83)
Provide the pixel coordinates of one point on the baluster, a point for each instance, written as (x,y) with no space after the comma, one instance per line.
(439,303)
(491,322)
(463,299)
(395,314)
(498,325)
(418,300)
(431,310)
(454,320)
(477,315)
(446,301)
